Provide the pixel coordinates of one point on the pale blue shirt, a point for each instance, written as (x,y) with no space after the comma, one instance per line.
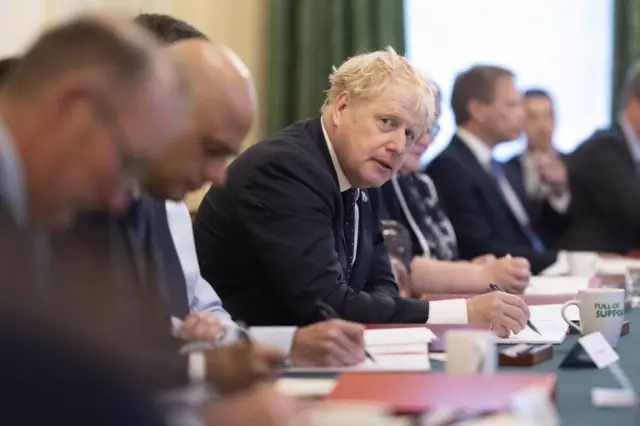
(200,294)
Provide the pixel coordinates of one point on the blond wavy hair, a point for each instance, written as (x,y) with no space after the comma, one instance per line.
(371,75)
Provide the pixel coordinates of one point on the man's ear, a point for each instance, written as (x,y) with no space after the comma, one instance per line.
(340,105)
(476,109)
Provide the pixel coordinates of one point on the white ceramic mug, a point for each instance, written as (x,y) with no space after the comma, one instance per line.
(601,309)
(471,352)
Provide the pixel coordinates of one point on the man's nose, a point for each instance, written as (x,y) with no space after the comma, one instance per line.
(216,173)
(399,143)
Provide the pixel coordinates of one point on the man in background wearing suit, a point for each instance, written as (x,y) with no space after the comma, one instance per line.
(56,151)
(539,173)
(604,173)
(295,226)
(484,208)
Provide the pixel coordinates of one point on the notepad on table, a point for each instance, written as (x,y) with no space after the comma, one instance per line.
(547,318)
(394,349)
(556,285)
(616,266)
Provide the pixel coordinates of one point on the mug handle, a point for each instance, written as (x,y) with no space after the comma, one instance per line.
(564,315)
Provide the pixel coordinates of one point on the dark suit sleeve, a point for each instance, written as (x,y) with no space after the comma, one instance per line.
(466,215)
(613,189)
(287,220)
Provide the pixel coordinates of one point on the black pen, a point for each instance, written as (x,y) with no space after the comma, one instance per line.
(329,313)
(496,287)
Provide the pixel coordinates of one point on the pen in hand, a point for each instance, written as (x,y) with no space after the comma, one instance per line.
(328,312)
(496,287)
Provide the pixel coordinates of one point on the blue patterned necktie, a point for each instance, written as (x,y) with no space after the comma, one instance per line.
(349,198)
(502,182)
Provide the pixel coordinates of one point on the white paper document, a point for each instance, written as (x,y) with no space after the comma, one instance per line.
(547,318)
(557,285)
(398,336)
(305,388)
(393,349)
(616,266)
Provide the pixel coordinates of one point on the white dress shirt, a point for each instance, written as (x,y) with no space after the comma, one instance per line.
(441,311)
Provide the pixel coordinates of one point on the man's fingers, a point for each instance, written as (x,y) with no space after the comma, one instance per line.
(347,350)
(273,356)
(517,301)
(513,313)
(352,330)
(190,321)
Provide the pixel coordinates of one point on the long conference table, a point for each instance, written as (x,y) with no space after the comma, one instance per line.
(573,392)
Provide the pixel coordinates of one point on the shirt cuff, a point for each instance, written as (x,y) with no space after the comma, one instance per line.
(197,367)
(448,312)
(279,337)
(560,204)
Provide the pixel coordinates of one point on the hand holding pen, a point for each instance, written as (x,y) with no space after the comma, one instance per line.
(495,287)
(501,312)
(329,313)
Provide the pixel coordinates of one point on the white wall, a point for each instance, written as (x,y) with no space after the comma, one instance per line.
(564,46)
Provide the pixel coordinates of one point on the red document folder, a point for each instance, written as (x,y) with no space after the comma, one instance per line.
(417,393)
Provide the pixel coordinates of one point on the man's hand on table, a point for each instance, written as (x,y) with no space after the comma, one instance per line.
(501,312)
(332,343)
(200,327)
(241,365)
(511,273)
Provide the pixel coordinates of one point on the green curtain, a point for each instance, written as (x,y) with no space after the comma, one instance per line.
(308,37)
(626,45)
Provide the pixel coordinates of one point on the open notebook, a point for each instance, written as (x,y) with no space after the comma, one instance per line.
(393,349)
(549,322)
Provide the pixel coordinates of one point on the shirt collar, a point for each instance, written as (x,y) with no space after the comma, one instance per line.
(343,182)
(631,138)
(480,150)
(13,190)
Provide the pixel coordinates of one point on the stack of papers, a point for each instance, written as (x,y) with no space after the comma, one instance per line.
(553,329)
(394,349)
(399,349)
(557,285)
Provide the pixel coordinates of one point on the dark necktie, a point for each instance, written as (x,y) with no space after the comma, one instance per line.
(501,179)
(349,198)
(156,254)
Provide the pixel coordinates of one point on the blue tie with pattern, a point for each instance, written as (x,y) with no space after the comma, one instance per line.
(502,181)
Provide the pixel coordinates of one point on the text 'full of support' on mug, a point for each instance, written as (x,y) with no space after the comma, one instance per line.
(601,309)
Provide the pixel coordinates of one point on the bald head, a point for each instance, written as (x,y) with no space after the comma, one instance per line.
(220,83)
(223,109)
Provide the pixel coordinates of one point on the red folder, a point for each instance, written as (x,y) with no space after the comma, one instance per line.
(417,393)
